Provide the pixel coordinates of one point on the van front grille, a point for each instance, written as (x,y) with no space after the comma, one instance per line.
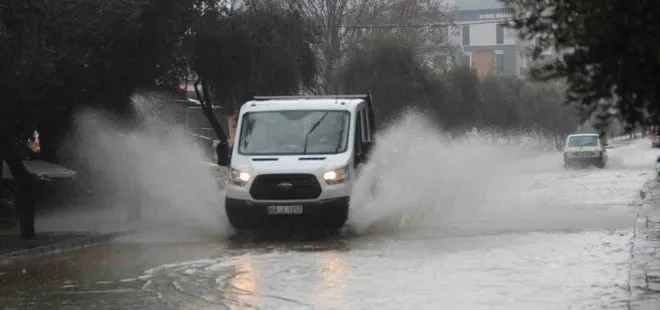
(285,187)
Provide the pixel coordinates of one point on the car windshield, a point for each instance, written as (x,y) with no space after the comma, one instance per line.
(581,141)
(294,132)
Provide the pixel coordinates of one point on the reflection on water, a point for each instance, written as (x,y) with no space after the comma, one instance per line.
(329,290)
(516,271)
(282,237)
(305,280)
(266,242)
(240,289)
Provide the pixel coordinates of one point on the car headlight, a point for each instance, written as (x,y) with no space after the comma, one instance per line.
(238,177)
(336,176)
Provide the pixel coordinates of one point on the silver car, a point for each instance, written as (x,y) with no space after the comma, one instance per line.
(585,149)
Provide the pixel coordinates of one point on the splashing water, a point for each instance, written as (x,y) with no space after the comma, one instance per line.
(418,177)
(154,168)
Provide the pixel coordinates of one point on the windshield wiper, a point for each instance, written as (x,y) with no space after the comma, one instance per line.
(312,130)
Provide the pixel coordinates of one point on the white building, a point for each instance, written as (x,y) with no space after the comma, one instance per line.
(484,44)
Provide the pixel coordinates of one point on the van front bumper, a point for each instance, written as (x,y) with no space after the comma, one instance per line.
(325,214)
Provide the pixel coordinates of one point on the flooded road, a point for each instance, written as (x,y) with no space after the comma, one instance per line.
(540,270)
(537,237)
(531,271)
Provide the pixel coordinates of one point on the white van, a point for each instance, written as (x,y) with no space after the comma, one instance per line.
(585,149)
(294,160)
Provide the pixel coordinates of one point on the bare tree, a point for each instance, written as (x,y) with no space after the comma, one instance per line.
(331,16)
(344,24)
(427,24)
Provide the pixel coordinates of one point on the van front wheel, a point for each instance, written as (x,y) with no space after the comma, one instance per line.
(336,220)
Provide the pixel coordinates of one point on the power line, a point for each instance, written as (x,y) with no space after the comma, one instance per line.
(436,25)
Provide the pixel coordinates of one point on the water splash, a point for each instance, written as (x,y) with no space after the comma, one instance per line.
(418,176)
(146,173)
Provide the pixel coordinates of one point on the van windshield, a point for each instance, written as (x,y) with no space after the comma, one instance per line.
(294,132)
(582,141)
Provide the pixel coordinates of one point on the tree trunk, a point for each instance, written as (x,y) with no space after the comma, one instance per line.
(10,152)
(222,150)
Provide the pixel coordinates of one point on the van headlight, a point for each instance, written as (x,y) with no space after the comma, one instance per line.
(238,177)
(336,176)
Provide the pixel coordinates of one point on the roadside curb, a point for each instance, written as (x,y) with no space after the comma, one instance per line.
(644,278)
(69,245)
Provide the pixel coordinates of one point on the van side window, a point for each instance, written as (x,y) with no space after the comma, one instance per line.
(366,136)
(364,124)
(358,133)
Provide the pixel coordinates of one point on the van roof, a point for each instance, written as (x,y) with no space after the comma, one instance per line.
(342,104)
(583,134)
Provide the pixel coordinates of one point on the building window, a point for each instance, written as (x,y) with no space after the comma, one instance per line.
(499,35)
(466,60)
(498,61)
(466,35)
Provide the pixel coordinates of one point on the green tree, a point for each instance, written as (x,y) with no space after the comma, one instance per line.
(260,48)
(608,49)
(60,55)
(460,106)
(257,49)
(501,104)
(513,104)
(390,67)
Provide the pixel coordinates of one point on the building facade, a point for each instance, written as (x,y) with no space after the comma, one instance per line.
(484,43)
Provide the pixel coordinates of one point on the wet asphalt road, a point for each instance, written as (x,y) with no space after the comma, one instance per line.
(548,239)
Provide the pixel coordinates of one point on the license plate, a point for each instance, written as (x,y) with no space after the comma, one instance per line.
(276,210)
